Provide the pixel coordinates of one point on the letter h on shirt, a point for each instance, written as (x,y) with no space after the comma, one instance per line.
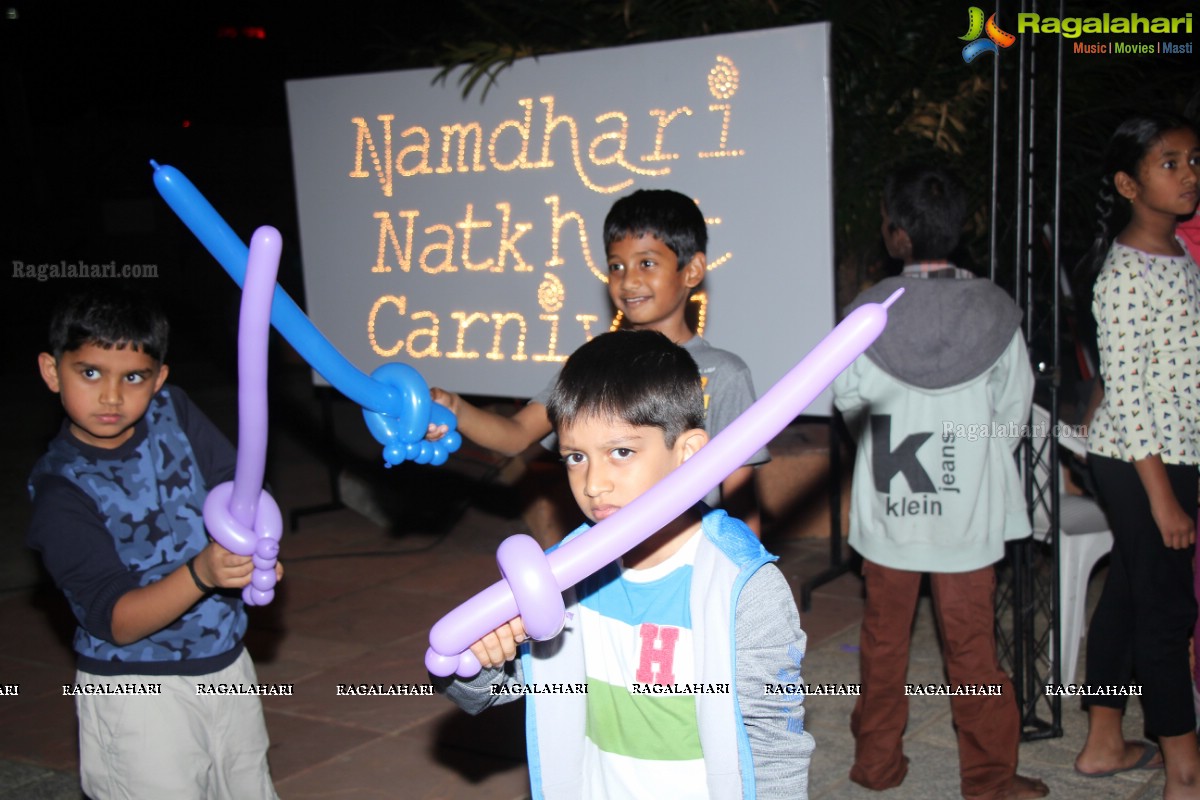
(662,654)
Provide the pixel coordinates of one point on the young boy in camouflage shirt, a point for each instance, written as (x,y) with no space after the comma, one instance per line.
(117,518)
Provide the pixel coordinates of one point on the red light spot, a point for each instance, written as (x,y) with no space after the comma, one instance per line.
(187,123)
(254,32)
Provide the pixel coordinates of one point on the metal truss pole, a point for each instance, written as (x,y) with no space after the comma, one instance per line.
(1026,144)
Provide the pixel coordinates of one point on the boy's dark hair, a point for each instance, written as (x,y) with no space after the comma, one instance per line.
(930,205)
(668,216)
(109,318)
(641,378)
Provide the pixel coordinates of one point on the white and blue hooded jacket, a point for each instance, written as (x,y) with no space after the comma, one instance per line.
(746,633)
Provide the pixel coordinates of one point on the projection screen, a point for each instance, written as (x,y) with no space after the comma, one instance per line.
(464,236)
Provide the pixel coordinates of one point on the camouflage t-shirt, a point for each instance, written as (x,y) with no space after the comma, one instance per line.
(109,521)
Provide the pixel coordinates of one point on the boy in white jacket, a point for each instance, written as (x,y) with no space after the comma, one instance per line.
(677,673)
(939,403)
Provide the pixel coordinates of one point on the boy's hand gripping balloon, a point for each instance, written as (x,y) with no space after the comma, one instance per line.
(240,514)
(395,398)
(533,582)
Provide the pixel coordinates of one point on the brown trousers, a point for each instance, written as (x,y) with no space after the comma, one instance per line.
(987,726)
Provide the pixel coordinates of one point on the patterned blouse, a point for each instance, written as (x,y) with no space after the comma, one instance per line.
(1147,309)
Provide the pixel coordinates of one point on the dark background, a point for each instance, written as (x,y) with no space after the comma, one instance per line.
(92,91)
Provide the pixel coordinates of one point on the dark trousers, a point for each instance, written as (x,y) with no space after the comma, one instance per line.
(1139,633)
(987,726)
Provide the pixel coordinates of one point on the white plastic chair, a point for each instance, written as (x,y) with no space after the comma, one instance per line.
(1084,538)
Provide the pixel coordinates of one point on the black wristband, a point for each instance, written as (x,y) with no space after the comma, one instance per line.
(196,578)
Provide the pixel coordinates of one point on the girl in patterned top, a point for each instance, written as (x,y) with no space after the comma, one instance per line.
(1144,447)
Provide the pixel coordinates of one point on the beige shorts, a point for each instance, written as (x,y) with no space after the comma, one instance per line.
(174,743)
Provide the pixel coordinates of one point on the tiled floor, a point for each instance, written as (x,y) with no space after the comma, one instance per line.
(356,608)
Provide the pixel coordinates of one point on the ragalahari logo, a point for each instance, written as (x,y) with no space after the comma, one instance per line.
(996,38)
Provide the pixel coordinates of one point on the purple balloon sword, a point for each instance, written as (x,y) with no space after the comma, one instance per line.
(240,515)
(533,582)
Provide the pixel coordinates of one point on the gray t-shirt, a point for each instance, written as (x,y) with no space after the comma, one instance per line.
(728,391)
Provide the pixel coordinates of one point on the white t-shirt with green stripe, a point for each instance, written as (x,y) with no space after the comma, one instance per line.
(643,739)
